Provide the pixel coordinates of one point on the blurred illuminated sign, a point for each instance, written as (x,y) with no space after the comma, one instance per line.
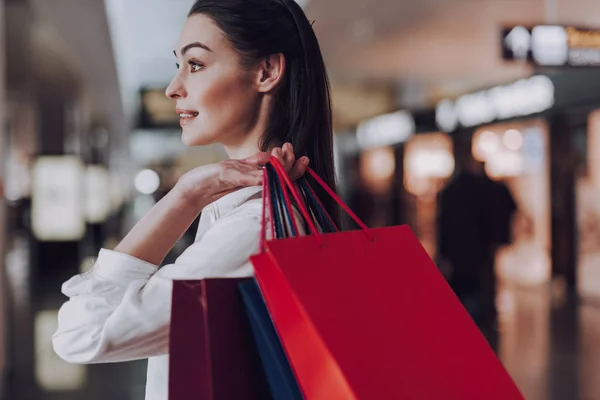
(552,45)
(377,167)
(522,98)
(427,158)
(385,130)
(157,110)
(57,199)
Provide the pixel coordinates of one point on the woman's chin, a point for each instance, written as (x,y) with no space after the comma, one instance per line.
(195,139)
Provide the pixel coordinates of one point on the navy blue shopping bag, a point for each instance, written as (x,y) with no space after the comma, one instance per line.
(280,376)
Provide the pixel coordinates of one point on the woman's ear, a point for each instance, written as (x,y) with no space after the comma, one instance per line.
(270,72)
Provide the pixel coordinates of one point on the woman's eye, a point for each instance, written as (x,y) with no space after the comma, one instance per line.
(195,67)
(177,65)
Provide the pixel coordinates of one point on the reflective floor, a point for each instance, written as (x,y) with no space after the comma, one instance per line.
(549,344)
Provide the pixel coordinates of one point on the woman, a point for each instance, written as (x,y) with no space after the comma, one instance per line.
(250,76)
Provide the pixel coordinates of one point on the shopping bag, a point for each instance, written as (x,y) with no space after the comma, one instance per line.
(280,376)
(281,379)
(367,315)
(212,353)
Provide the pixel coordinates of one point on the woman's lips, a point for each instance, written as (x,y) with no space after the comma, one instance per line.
(186,116)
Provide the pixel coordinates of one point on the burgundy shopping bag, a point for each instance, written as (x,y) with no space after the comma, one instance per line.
(367,315)
(212,353)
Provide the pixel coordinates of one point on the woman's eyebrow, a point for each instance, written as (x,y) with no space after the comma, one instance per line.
(187,47)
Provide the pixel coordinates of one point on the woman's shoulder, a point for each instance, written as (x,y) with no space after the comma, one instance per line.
(223,247)
(243,208)
(248,208)
(240,201)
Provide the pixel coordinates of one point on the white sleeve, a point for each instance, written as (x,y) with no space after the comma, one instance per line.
(121,309)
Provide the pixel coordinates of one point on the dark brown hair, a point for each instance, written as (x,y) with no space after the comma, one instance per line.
(302,108)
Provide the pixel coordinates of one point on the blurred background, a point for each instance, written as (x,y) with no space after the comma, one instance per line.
(446,112)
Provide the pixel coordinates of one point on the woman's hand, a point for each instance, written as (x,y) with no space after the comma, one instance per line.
(156,233)
(204,185)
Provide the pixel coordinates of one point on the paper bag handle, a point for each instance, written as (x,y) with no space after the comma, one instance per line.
(283,175)
(275,192)
(320,212)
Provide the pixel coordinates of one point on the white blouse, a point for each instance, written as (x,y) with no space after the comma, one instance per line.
(120,310)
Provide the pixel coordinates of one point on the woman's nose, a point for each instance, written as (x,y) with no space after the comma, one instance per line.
(175,90)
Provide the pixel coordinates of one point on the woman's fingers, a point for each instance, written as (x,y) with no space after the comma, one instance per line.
(288,156)
(240,174)
(251,178)
(259,159)
(299,168)
(277,152)
(285,155)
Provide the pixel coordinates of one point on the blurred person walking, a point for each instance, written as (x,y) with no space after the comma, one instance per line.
(474,220)
(250,75)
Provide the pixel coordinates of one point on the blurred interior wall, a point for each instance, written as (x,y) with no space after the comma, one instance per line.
(3,339)
(19,96)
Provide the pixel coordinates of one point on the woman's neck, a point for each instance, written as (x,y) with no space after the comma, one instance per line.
(248,144)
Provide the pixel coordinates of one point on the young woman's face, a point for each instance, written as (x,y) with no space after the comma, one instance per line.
(217,99)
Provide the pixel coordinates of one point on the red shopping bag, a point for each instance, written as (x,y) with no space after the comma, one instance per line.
(212,353)
(367,315)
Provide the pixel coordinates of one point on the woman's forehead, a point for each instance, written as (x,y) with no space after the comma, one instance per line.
(201,29)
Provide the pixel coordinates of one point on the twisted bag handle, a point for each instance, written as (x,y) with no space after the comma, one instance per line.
(274,203)
(316,207)
(275,167)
